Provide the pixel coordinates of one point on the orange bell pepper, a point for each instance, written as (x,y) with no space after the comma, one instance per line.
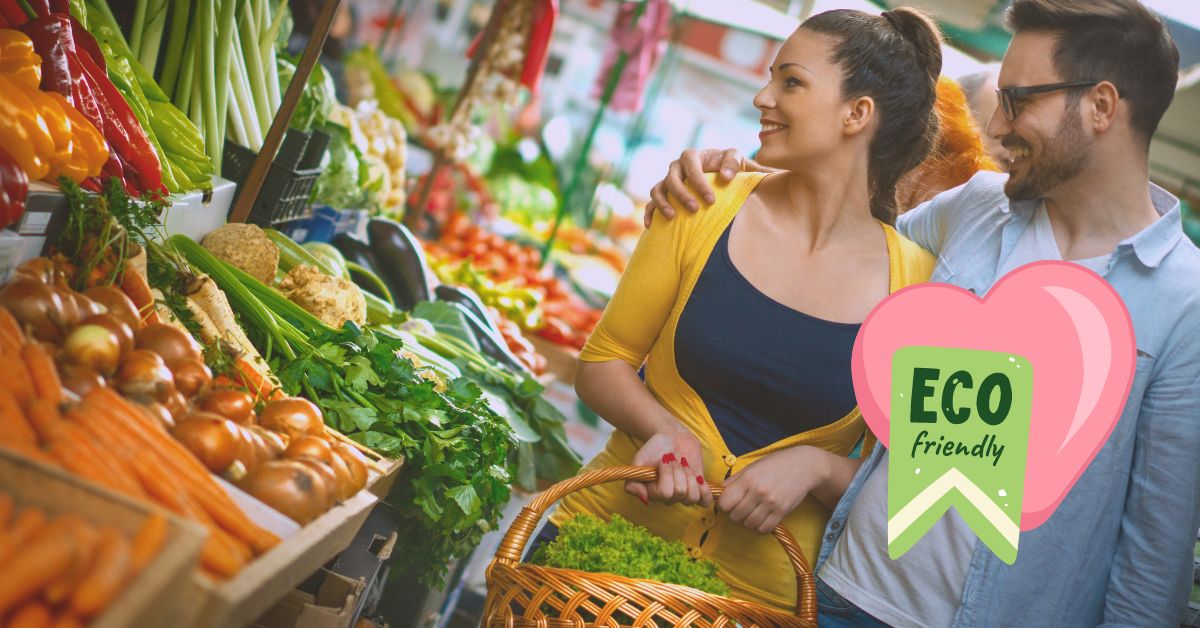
(90,151)
(18,59)
(24,135)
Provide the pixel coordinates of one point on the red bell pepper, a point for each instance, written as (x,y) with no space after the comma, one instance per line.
(52,41)
(12,12)
(14,186)
(41,8)
(538,48)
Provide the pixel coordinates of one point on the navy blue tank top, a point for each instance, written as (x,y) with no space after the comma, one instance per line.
(765,371)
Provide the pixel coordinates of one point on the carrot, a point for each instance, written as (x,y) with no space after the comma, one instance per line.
(109,571)
(66,620)
(256,382)
(172,455)
(17,380)
(149,540)
(43,372)
(45,418)
(30,451)
(13,426)
(166,490)
(85,536)
(112,452)
(135,286)
(34,614)
(25,525)
(11,337)
(38,563)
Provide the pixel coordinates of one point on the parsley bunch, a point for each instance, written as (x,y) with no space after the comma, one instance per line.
(456,477)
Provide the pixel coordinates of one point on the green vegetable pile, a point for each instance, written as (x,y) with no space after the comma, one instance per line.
(456,478)
(618,547)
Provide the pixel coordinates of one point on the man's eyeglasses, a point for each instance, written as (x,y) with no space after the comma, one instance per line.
(1010,96)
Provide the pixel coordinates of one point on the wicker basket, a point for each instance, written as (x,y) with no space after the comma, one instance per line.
(523,595)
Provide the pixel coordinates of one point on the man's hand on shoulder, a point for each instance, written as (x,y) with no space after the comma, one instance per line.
(690,169)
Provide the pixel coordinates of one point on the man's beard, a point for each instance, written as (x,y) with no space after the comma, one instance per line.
(1062,158)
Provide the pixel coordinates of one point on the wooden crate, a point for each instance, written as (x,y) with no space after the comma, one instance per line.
(154,597)
(257,587)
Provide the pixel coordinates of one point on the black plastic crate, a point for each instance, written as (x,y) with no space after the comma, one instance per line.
(286,191)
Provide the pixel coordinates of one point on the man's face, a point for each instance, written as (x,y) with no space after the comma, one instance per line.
(1046,142)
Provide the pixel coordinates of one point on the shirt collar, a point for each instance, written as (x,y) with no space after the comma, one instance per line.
(1151,244)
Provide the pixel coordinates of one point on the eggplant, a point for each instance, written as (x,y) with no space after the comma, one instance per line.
(357,251)
(402,261)
(491,343)
(468,298)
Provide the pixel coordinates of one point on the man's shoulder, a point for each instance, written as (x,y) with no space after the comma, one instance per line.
(985,190)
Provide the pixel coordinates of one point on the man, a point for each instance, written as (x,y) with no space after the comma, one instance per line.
(980,90)
(1083,86)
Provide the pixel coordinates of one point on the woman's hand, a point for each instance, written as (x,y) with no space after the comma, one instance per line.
(766,491)
(680,461)
(688,170)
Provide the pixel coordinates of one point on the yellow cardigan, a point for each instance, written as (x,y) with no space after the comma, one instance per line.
(639,326)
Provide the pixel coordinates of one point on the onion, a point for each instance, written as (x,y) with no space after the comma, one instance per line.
(95,347)
(356,463)
(289,487)
(70,313)
(161,414)
(210,437)
(236,472)
(39,268)
(273,441)
(172,343)
(116,304)
(235,405)
(36,306)
(309,447)
(144,373)
(79,379)
(123,332)
(345,480)
(246,449)
(192,377)
(330,481)
(293,416)
(177,405)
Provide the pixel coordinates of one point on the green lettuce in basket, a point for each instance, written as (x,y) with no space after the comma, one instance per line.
(586,543)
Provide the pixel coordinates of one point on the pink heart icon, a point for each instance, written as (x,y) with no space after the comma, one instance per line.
(1068,322)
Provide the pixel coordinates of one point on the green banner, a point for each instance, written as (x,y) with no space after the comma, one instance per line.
(959,437)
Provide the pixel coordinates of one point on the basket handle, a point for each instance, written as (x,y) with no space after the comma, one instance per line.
(518,535)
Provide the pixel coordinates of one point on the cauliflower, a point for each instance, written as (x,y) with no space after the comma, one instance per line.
(247,247)
(334,300)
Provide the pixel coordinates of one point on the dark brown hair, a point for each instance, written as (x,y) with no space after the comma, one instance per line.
(1119,41)
(895,59)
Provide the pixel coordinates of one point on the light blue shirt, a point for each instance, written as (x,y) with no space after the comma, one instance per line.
(1118,550)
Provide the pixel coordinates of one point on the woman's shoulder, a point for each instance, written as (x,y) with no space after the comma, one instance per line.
(729,198)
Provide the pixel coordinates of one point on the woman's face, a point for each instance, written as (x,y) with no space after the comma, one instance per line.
(803,113)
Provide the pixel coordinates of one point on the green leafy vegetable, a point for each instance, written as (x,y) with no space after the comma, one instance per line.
(619,547)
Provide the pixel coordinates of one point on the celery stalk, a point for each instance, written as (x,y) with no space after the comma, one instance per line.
(176,56)
(225,29)
(138,26)
(247,28)
(208,79)
(156,20)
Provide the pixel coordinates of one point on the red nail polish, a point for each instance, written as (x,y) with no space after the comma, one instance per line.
(683,461)
(700,480)
(666,459)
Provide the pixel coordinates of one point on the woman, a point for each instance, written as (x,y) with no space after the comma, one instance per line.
(745,314)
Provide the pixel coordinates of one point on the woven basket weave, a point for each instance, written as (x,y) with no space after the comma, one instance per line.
(521,595)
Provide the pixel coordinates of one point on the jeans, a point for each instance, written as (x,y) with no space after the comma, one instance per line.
(835,611)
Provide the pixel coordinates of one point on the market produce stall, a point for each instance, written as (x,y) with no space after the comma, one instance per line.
(212,382)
